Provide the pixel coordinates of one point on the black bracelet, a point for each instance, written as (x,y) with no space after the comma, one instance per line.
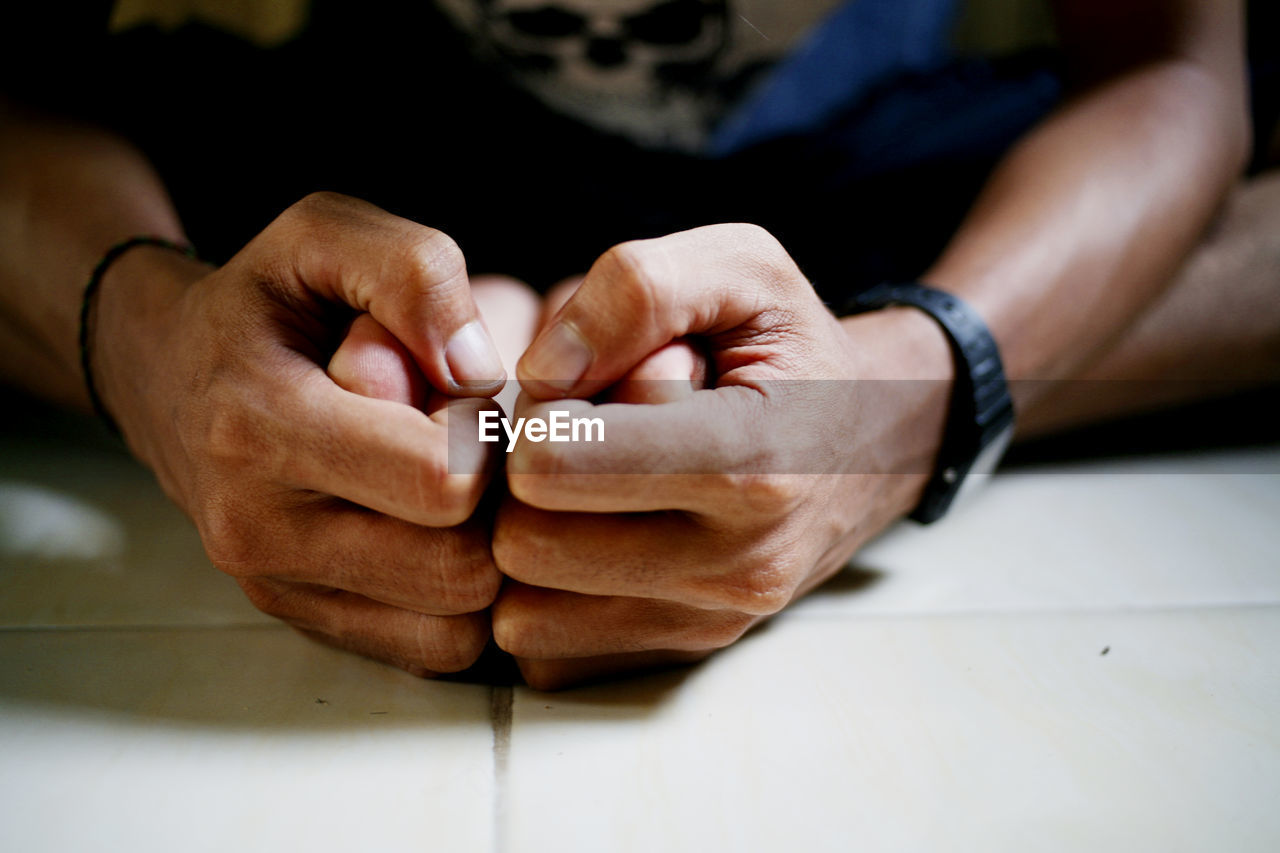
(86,310)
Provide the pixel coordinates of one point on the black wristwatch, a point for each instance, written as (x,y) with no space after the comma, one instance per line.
(980,421)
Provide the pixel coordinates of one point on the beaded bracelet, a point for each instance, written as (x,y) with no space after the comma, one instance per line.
(86,310)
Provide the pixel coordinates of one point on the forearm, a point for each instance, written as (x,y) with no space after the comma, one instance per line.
(1088,219)
(69,193)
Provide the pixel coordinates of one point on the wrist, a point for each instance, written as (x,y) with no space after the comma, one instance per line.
(133,313)
(899,343)
(907,356)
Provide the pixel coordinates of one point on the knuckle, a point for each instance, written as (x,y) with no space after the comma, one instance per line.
(520,547)
(233,438)
(266,597)
(769,495)
(545,675)
(534,487)
(452,643)
(765,253)
(638,270)
(515,632)
(448,499)
(431,258)
(766,247)
(512,636)
(474,580)
(535,474)
(527,623)
(522,483)
(513,549)
(506,548)
(750,234)
(762,587)
(232,539)
(443,498)
(779,494)
(726,630)
(314,208)
(760,595)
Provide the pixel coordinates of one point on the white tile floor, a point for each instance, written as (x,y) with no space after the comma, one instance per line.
(1088,657)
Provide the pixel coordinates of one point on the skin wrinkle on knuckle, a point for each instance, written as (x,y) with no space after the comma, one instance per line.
(770,495)
(346,624)
(474,580)
(429,262)
(667,625)
(320,202)
(526,488)
(780,324)
(760,257)
(341,212)
(723,490)
(512,630)
(538,467)
(509,637)
(343,623)
(753,497)
(477,591)
(732,630)
(314,219)
(311,235)
(267,597)
(446,500)
(719,629)
(760,595)
(517,550)
(527,632)
(506,549)
(279,292)
(534,474)
(759,303)
(637,269)
(257,303)
(232,437)
(299,216)
(761,585)
(232,539)
(246,414)
(450,643)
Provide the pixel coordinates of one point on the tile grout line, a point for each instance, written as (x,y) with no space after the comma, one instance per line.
(501,700)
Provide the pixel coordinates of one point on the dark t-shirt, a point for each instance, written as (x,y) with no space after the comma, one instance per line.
(858,145)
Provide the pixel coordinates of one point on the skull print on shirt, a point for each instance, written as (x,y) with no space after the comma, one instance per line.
(658,71)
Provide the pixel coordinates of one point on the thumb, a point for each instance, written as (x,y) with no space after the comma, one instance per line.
(372,363)
(410,278)
(640,296)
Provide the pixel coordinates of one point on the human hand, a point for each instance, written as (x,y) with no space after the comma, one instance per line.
(704,514)
(334,511)
(671,372)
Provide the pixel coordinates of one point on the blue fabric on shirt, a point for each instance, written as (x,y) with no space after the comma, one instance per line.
(859,46)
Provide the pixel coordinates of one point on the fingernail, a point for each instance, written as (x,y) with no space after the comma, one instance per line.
(473,359)
(558,358)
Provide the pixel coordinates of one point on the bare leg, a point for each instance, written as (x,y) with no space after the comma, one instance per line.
(1216,330)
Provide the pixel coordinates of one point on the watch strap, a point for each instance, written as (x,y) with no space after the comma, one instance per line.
(981,410)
